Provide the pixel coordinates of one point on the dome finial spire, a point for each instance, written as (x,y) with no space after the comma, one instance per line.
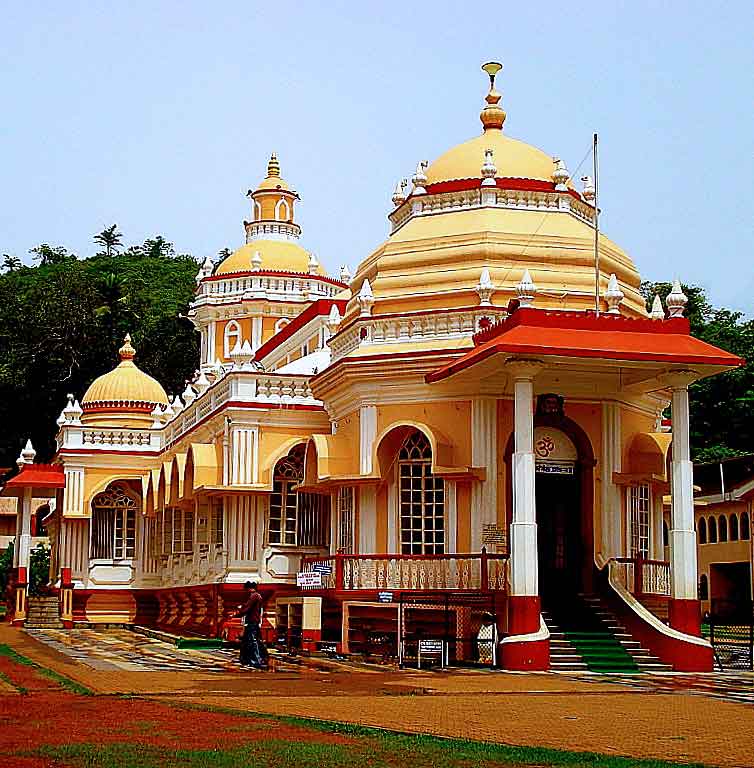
(273,167)
(127,351)
(493,115)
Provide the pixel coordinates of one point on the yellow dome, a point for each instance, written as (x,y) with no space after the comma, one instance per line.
(276,255)
(513,159)
(273,180)
(125,385)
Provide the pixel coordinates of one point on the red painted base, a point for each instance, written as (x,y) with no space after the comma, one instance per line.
(523,615)
(686,616)
(310,638)
(531,657)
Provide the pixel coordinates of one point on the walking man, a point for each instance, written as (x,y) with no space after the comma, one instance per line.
(253,652)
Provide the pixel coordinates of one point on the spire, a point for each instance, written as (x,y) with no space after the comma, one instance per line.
(657,312)
(676,300)
(366,298)
(526,290)
(613,296)
(127,351)
(489,169)
(273,167)
(492,115)
(560,175)
(313,265)
(27,455)
(345,274)
(485,288)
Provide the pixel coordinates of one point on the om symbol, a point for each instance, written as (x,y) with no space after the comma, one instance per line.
(544,446)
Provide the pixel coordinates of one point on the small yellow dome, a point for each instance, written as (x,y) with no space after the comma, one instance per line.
(125,385)
(513,159)
(275,255)
(273,180)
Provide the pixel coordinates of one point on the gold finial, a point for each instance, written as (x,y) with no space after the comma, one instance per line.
(493,115)
(273,167)
(127,351)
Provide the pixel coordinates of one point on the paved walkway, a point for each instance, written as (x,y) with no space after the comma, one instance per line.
(678,717)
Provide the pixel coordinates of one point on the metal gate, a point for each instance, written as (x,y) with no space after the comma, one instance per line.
(732,634)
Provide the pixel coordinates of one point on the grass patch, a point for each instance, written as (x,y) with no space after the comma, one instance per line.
(62,680)
(23,691)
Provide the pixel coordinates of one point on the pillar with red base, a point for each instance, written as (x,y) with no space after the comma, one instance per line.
(65,598)
(525,647)
(311,623)
(21,590)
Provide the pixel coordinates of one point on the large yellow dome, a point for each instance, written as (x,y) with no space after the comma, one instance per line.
(276,255)
(124,386)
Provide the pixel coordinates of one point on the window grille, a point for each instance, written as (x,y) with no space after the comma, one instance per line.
(638,510)
(345,520)
(421,499)
(114,524)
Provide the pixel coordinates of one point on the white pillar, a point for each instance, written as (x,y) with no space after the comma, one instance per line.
(483,454)
(210,343)
(23,531)
(367,519)
(367,435)
(523,558)
(610,499)
(682,533)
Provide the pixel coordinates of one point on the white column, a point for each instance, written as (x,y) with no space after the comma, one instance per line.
(682,533)
(451,516)
(656,544)
(483,454)
(610,499)
(210,343)
(242,455)
(523,559)
(367,519)
(256,333)
(367,435)
(23,531)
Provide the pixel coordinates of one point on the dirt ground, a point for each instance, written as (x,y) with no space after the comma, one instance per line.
(671,721)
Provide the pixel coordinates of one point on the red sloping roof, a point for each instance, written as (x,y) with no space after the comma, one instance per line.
(316,309)
(38,476)
(538,332)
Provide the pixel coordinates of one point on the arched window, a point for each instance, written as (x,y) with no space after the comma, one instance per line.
(114,523)
(421,498)
(722,528)
(295,518)
(744,526)
(702,530)
(703,587)
(282,210)
(712,530)
(232,336)
(734,527)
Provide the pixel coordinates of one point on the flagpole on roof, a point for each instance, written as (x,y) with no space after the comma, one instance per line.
(596,228)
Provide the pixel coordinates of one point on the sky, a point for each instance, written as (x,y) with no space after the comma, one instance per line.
(159,116)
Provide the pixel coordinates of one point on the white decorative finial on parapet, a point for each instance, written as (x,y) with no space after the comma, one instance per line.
(420,178)
(399,195)
(345,274)
(168,412)
(256,261)
(560,175)
(589,191)
(189,395)
(489,170)
(485,288)
(313,264)
(613,296)
(657,312)
(676,300)
(157,414)
(27,455)
(202,382)
(366,298)
(205,270)
(333,320)
(178,404)
(526,290)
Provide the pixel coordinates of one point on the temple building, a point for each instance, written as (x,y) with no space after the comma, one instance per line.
(467,426)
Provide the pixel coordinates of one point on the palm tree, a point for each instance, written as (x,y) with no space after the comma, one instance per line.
(11,263)
(110,238)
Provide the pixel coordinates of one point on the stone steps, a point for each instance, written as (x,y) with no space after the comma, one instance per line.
(43,613)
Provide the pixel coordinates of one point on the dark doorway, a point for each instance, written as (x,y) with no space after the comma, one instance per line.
(560,543)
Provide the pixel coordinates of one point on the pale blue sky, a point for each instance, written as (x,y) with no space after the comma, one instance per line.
(160,115)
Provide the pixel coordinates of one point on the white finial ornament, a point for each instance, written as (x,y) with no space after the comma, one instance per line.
(485,288)
(157,414)
(526,290)
(657,312)
(560,175)
(313,264)
(676,300)
(399,195)
(202,382)
(589,192)
(419,178)
(366,298)
(205,270)
(189,395)
(489,170)
(613,296)
(27,455)
(345,274)
(256,261)
(333,319)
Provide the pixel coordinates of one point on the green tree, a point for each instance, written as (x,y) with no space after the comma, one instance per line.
(110,239)
(39,570)
(11,263)
(48,254)
(722,407)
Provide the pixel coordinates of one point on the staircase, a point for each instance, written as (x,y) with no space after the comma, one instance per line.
(586,636)
(43,613)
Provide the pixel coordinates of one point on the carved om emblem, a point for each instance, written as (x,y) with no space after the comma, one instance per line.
(544,446)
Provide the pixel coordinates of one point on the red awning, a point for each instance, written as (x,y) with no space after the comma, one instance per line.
(539,332)
(38,476)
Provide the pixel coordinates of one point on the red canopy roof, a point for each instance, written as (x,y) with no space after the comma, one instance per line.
(529,331)
(38,476)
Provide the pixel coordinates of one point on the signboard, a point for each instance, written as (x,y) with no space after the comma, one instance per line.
(324,568)
(554,467)
(326,646)
(430,646)
(309,579)
(493,534)
(385,597)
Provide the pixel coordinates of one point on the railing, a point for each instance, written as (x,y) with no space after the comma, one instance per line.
(207,563)
(644,577)
(483,572)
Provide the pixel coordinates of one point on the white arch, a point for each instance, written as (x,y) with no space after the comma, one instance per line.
(280,324)
(282,202)
(231,337)
(257,211)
